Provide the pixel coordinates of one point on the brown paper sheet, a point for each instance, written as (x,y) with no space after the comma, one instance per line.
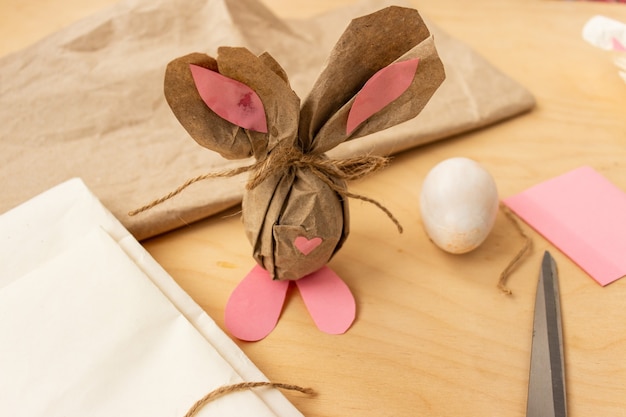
(88,102)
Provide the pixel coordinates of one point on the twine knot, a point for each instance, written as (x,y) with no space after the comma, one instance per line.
(285,157)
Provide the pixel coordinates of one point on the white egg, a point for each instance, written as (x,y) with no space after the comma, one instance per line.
(459,204)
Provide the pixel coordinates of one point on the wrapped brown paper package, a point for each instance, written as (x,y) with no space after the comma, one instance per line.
(302,194)
(88,101)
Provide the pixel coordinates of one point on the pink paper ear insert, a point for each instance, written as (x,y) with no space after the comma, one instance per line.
(584,215)
(230,99)
(384,87)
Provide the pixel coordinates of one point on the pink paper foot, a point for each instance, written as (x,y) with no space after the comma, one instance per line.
(255,305)
(329,300)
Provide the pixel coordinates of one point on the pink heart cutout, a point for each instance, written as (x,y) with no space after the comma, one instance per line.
(306,246)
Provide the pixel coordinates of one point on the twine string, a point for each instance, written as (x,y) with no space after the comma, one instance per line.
(287,157)
(284,158)
(504,275)
(346,194)
(181,188)
(242,386)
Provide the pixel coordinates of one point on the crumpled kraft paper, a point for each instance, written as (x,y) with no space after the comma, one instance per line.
(88,101)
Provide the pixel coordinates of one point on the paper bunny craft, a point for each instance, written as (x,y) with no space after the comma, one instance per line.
(382,71)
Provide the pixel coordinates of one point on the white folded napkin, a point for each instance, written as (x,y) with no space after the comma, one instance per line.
(91,325)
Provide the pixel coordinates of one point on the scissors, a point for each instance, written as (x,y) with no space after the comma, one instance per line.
(546,385)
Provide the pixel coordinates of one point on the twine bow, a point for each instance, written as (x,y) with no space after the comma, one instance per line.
(284,158)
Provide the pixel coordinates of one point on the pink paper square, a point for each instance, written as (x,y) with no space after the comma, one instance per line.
(584,215)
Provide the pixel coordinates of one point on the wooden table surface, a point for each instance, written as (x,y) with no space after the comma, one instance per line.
(433,335)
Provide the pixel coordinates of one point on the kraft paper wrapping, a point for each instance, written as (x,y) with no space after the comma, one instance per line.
(304,195)
(88,101)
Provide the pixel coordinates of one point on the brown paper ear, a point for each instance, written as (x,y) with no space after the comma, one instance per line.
(369,44)
(260,74)
(428,77)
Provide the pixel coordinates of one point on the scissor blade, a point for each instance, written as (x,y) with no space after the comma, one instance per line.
(546,386)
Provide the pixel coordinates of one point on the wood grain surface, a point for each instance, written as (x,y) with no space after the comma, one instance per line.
(433,335)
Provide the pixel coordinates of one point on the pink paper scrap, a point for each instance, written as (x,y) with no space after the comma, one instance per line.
(584,215)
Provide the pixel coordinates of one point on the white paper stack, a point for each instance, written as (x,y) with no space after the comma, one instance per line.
(91,325)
